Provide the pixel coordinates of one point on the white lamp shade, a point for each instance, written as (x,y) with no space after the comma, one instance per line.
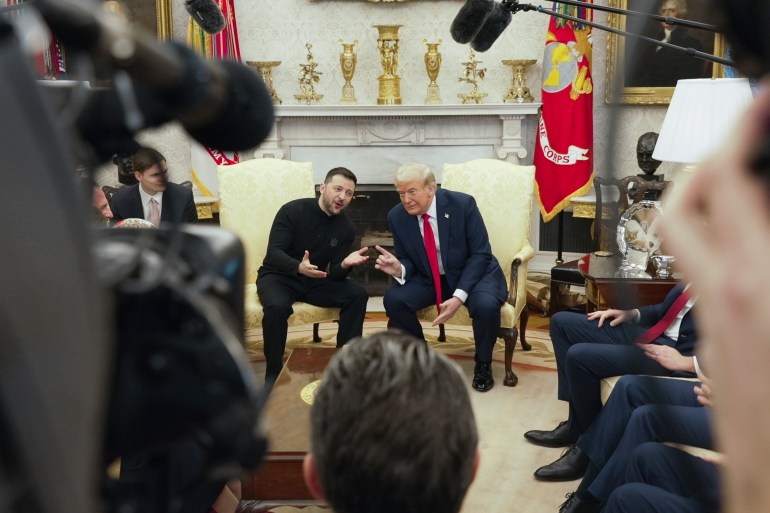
(702,113)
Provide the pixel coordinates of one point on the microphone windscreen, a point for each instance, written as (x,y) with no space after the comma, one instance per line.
(469,20)
(207,14)
(496,23)
(247,117)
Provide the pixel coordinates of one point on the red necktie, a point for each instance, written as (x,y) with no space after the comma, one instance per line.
(430,249)
(661,326)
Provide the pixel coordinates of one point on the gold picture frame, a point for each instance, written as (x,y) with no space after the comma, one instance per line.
(154,15)
(618,67)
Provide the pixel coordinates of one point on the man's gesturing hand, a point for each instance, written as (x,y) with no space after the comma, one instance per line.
(308,269)
(355,258)
(387,263)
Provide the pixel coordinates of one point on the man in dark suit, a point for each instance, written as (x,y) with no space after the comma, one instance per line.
(611,350)
(464,271)
(154,198)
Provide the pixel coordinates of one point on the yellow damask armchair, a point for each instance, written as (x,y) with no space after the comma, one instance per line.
(250,194)
(503,193)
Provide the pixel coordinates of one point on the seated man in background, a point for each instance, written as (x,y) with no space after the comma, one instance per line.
(655,340)
(308,259)
(154,198)
(371,448)
(442,257)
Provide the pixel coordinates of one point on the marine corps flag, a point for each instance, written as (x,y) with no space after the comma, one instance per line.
(564,148)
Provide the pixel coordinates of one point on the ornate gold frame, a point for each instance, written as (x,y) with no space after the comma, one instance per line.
(160,18)
(616,48)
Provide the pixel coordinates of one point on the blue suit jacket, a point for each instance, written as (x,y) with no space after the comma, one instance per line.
(465,250)
(178,204)
(688,334)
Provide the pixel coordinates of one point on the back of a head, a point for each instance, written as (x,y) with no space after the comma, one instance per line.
(393,428)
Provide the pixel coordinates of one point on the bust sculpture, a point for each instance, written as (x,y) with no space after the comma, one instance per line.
(644,148)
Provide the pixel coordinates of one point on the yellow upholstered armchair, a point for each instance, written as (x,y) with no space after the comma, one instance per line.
(503,193)
(250,194)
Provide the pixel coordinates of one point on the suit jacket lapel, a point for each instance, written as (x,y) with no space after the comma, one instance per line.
(137,210)
(166,210)
(443,219)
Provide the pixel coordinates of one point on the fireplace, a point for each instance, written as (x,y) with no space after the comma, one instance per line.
(374,140)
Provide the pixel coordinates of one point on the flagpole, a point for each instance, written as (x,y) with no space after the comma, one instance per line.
(513,6)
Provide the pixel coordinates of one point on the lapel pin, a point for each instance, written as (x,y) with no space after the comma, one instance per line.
(446,216)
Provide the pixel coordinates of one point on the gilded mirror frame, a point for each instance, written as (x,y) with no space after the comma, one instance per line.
(154,15)
(616,51)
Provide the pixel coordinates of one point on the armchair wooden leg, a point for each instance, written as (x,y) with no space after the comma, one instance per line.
(523,320)
(441,333)
(509,335)
(316,336)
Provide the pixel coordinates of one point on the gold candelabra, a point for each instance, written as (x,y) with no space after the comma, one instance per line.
(390,82)
(432,67)
(473,74)
(308,76)
(265,71)
(348,60)
(519,92)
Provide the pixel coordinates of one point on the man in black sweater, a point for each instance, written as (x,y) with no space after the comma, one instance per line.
(308,259)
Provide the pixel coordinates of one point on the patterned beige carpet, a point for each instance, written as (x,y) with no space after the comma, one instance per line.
(459,341)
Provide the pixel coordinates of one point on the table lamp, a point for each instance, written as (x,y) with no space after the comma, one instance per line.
(702,113)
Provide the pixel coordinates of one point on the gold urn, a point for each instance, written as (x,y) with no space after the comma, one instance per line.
(390,82)
(432,68)
(348,60)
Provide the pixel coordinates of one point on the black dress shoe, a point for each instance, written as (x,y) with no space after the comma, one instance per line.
(575,504)
(560,436)
(571,465)
(482,377)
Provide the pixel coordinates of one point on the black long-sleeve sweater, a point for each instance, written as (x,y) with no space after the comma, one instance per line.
(301,225)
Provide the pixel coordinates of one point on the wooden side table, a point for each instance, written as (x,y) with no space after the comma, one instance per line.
(608,287)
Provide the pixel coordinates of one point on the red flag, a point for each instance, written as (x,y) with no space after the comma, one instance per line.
(564,149)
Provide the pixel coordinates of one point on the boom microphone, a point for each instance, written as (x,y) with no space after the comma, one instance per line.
(207,14)
(470,19)
(495,24)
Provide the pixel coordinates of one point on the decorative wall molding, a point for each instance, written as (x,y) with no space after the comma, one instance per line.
(368,135)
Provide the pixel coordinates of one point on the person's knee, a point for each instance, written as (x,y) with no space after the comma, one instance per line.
(627,498)
(277,310)
(393,300)
(358,294)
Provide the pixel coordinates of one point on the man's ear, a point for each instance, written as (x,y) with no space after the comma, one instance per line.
(310,474)
(138,176)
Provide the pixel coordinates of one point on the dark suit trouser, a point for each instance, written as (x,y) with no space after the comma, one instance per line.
(403,301)
(661,479)
(586,353)
(630,392)
(277,293)
(652,423)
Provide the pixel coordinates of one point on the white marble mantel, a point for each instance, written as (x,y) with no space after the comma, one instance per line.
(373,140)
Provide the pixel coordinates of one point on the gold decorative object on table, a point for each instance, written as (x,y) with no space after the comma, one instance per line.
(390,82)
(432,67)
(472,75)
(519,92)
(265,70)
(348,63)
(308,76)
